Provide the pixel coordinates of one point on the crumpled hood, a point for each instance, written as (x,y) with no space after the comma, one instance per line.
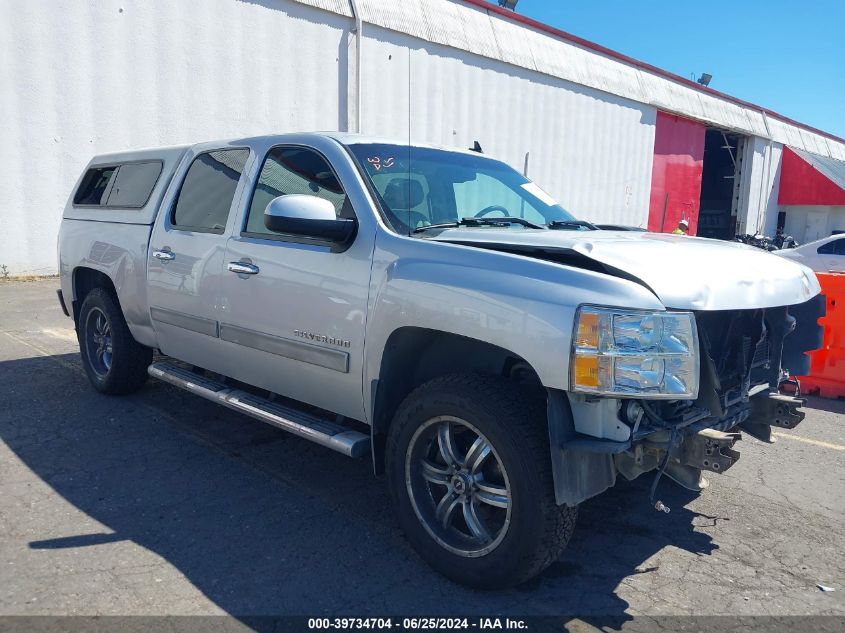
(684,272)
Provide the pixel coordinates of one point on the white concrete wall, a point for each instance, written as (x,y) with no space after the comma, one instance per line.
(810,223)
(83,78)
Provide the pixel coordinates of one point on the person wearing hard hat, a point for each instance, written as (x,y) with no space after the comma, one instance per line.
(682,229)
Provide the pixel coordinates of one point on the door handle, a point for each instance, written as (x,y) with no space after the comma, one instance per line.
(242,268)
(164,256)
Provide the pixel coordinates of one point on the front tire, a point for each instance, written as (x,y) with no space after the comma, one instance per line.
(114,361)
(469,473)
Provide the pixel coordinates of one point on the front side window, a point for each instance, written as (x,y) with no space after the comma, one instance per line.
(208,189)
(420,186)
(299,170)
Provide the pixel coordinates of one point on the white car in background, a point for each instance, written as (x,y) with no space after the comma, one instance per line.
(826,255)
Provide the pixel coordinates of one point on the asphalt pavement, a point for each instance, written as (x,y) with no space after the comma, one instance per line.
(161,503)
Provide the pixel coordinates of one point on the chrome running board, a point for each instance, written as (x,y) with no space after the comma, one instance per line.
(323,432)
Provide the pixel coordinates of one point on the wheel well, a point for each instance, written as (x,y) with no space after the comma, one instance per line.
(84,281)
(413,356)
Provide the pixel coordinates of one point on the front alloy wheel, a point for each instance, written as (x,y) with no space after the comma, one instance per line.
(468,467)
(458,487)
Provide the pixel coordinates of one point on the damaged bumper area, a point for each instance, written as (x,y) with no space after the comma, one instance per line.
(698,448)
(778,410)
(746,356)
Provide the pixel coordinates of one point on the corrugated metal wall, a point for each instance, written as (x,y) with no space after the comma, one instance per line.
(758,203)
(590,150)
(91,77)
(470,28)
(82,78)
(108,75)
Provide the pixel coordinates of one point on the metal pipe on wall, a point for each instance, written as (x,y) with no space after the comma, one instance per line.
(359,34)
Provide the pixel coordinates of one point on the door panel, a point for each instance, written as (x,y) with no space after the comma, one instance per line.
(292,327)
(296,327)
(833,263)
(186,258)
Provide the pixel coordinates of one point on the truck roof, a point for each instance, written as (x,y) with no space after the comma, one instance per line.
(348,138)
(170,157)
(345,138)
(144,153)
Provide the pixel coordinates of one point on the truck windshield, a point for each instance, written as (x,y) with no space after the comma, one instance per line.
(419,187)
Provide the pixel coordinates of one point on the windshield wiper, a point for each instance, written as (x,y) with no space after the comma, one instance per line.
(570,224)
(480,222)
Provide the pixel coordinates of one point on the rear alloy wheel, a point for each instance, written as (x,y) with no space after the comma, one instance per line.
(98,342)
(113,360)
(468,467)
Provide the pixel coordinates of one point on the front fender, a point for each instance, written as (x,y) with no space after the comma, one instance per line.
(523,305)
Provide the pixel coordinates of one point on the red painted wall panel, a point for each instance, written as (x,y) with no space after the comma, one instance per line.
(802,184)
(676,174)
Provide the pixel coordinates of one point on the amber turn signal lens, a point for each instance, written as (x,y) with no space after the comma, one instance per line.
(588,331)
(586,371)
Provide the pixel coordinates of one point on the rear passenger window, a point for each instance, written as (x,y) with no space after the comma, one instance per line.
(207,191)
(126,185)
(294,170)
(94,186)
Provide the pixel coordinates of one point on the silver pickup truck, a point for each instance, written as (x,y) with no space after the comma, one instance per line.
(500,360)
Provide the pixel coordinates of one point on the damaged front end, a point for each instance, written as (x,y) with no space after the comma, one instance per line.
(747,358)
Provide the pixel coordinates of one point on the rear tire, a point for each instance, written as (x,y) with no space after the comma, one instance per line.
(114,361)
(469,472)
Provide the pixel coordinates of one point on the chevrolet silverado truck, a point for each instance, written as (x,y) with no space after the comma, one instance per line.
(500,360)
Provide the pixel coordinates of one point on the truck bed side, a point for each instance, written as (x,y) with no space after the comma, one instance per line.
(112,240)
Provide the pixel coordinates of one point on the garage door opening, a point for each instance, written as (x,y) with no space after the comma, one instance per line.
(720,182)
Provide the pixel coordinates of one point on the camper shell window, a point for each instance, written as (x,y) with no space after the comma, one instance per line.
(124,185)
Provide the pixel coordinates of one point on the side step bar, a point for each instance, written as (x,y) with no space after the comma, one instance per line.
(328,434)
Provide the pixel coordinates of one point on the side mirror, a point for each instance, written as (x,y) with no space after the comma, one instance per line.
(307,216)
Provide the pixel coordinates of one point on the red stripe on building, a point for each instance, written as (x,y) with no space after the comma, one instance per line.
(803,185)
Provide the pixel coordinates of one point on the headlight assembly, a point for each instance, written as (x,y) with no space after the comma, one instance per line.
(626,353)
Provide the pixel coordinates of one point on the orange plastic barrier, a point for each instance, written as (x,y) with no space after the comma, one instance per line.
(827,368)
